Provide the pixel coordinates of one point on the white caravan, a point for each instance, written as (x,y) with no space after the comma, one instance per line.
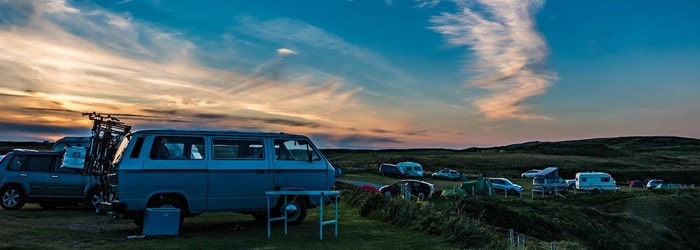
(595,181)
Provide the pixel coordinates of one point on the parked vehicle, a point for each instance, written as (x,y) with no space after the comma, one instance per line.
(530,173)
(418,189)
(653,183)
(595,181)
(70,141)
(202,171)
(637,183)
(391,170)
(504,185)
(37,177)
(412,169)
(548,181)
(447,174)
(571,183)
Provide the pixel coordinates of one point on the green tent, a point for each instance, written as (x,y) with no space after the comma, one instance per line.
(480,186)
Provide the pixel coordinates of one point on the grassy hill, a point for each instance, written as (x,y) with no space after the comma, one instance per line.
(675,159)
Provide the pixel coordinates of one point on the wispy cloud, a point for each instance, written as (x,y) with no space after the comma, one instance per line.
(59,60)
(510,53)
(325,46)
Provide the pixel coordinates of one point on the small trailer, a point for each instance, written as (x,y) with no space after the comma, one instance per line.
(595,182)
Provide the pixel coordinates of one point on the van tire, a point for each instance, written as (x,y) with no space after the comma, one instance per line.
(295,209)
(13,197)
(138,217)
(172,203)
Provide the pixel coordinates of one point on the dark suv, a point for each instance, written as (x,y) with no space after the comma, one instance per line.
(37,177)
(386,169)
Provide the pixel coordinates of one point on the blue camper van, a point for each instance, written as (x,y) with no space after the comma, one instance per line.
(201,171)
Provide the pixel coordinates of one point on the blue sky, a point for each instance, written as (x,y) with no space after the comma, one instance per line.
(355,74)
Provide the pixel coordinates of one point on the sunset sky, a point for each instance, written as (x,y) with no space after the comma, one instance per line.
(355,74)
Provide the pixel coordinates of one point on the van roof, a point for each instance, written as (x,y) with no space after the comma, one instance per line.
(206,132)
(549,172)
(592,173)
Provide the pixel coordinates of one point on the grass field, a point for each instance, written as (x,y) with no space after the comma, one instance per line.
(631,219)
(36,228)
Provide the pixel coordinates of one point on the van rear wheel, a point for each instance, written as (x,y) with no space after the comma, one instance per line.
(172,203)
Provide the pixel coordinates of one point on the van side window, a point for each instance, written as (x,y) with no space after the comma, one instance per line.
(605,179)
(137,148)
(295,150)
(177,148)
(584,179)
(238,149)
(39,164)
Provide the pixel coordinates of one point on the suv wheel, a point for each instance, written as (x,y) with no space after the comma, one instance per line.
(93,199)
(12,198)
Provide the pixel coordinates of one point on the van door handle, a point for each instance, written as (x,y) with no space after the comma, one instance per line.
(54,176)
(23,175)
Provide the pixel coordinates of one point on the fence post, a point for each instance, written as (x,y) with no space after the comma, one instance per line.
(521,241)
(551,246)
(473,194)
(512,240)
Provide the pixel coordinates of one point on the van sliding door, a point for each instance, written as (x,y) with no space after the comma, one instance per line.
(176,164)
(239,174)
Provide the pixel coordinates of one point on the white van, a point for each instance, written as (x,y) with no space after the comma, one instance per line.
(206,171)
(595,181)
(412,169)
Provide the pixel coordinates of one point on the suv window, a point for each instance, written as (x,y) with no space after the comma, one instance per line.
(39,164)
(18,163)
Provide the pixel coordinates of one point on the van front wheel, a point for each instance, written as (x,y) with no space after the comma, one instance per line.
(295,209)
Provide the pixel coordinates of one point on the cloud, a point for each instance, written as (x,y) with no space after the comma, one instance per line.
(325,48)
(510,53)
(61,60)
(426,3)
(285,52)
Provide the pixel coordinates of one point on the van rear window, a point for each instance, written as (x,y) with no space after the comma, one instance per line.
(177,148)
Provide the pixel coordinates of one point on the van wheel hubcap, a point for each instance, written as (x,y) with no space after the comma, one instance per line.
(292,210)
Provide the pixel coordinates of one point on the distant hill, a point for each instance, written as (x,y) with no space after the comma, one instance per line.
(7,146)
(608,147)
(640,157)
